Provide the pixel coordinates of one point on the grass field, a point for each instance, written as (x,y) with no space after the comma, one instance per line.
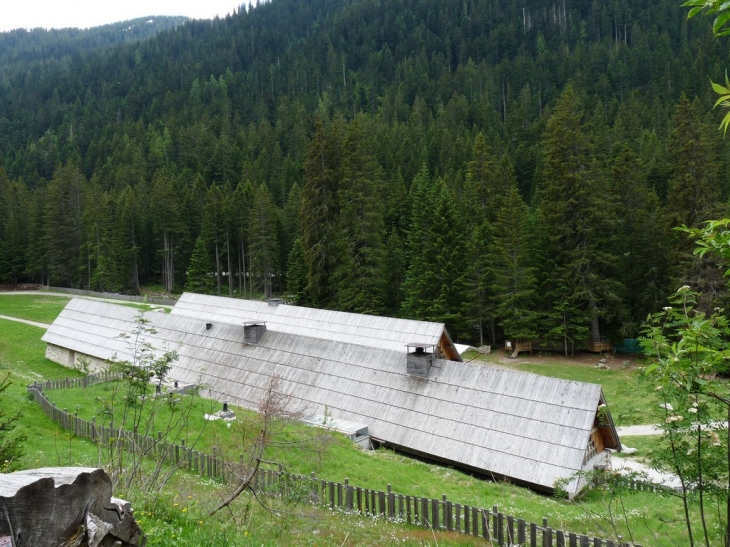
(175,516)
(34,307)
(619,382)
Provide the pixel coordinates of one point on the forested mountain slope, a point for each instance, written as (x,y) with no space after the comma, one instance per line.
(508,169)
(20,47)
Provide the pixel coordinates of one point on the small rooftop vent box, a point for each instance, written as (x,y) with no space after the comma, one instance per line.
(253,331)
(273,302)
(419,359)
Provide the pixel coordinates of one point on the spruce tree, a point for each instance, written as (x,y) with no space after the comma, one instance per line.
(200,276)
(693,197)
(514,283)
(264,241)
(296,275)
(63,236)
(577,214)
(320,212)
(360,234)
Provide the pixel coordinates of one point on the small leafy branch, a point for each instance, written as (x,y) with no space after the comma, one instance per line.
(690,358)
(134,411)
(720,10)
(10,441)
(264,431)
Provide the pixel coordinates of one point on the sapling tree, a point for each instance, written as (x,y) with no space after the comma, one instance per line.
(260,433)
(688,374)
(11,448)
(146,420)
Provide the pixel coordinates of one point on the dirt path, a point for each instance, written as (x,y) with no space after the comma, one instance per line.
(26,321)
(100,299)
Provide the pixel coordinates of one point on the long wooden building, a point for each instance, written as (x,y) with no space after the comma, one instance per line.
(403,379)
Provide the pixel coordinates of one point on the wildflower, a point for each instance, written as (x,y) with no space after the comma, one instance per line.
(683,288)
(659,388)
(692,410)
(667,308)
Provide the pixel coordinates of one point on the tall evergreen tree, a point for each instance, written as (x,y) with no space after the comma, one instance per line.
(360,283)
(167,221)
(435,284)
(63,227)
(514,284)
(264,242)
(319,215)
(693,197)
(577,216)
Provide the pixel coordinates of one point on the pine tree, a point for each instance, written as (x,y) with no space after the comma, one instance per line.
(360,285)
(128,238)
(435,284)
(200,275)
(319,214)
(480,202)
(240,212)
(514,284)
(264,241)
(577,214)
(643,244)
(63,227)
(693,197)
(296,275)
(167,221)
(13,230)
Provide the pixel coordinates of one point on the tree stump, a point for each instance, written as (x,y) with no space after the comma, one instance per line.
(64,507)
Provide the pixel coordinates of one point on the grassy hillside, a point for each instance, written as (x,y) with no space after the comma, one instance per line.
(180,507)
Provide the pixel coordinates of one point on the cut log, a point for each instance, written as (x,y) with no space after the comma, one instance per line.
(64,507)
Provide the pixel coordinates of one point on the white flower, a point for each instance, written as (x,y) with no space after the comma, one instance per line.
(667,308)
(683,288)
(692,410)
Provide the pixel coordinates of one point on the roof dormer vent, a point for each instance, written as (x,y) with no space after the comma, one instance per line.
(419,359)
(253,331)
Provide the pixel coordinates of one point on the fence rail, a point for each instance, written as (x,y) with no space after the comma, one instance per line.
(112,295)
(438,514)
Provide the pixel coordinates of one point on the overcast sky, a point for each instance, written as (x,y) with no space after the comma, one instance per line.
(91,13)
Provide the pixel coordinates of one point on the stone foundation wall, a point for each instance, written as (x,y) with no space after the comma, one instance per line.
(72,359)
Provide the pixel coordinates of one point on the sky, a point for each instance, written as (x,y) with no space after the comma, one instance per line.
(91,13)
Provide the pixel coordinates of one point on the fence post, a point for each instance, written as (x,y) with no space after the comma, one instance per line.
(521,532)
(458,517)
(447,513)
(391,502)
(547,534)
(423,513)
(497,532)
(348,494)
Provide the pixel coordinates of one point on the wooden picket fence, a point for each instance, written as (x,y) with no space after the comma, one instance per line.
(438,514)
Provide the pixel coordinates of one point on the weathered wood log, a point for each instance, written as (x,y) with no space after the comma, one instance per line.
(64,507)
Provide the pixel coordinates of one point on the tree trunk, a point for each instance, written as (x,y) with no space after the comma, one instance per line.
(64,506)
(218,268)
(230,273)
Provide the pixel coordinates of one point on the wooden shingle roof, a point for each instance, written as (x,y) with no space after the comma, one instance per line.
(355,328)
(528,427)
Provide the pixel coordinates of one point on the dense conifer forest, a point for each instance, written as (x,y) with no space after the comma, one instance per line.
(509,169)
